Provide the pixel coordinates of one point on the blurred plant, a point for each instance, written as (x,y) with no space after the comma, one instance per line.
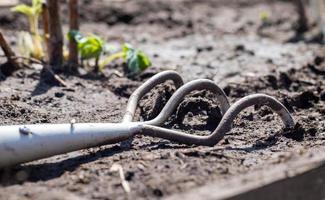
(265,17)
(136,60)
(30,44)
(92,46)
(89,47)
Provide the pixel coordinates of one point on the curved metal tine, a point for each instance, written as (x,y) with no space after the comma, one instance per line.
(178,96)
(225,123)
(146,87)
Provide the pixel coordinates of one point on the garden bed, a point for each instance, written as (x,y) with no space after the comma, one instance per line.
(190,37)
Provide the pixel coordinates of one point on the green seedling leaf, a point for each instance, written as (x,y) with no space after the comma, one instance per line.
(265,17)
(136,59)
(32,43)
(31,11)
(24,9)
(74,35)
(89,47)
(126,48)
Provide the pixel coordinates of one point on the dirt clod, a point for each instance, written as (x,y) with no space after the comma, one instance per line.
(305,99)
(153,103)
(296,133)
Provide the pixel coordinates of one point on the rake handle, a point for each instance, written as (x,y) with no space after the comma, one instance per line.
(24,143)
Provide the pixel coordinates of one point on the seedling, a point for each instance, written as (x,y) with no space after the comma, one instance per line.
(136,60)
(93,47)
(30,43)
(265,18)
(89,47)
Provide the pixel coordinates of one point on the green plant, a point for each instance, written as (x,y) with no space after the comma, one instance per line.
(92,46)
(31,43)
(136,60)
(89,47)
(264,17)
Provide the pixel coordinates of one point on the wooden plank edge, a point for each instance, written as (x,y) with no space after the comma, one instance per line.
(290,180)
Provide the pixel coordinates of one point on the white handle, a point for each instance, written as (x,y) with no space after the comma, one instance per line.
(26,143)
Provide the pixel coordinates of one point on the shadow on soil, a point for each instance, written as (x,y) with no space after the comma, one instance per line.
(48,171)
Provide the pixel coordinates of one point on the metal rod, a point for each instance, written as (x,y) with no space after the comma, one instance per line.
(146,87)
(225,124)
(178,96)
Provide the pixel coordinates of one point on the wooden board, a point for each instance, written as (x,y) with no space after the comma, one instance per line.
(303,178)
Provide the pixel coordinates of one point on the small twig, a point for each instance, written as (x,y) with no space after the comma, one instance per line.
(45,66)
(74,26)
(56,77)
(125,184)
(116,73)
(8,51)
(56,37)
(33,60)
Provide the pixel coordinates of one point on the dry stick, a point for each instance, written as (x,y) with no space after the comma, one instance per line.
(31,59)
(40,62)
(74,26)
(56,77)
(302,18)
(45,18)
(8,51)
(56,36)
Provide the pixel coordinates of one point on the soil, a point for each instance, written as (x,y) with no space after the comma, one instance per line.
(223,40)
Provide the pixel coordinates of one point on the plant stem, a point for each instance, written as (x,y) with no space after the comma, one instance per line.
(96,69)
(56,36)
(74,25)
(45,17)
(302,18)
(110,59)
(8,51)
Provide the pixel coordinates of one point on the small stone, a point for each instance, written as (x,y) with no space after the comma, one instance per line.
(158,192)
(59,94)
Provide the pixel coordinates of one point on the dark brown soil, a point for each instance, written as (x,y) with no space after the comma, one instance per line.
(222,40)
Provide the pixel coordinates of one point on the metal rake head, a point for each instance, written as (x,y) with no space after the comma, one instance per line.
(229,113)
